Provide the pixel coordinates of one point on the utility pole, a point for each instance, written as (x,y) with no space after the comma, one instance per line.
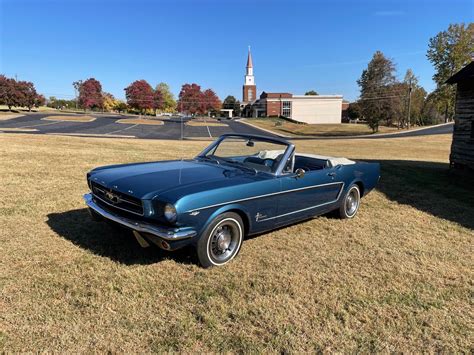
(181,116)
(409,104)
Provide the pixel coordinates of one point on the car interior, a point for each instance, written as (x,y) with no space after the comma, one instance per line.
(263,161)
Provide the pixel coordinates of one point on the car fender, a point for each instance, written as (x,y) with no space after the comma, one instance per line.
(241,209)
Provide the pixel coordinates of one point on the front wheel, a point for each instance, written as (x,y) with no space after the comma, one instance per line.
(350,204)
(221,241)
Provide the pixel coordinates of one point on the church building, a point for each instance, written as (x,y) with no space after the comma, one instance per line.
(249,89)
(301,108)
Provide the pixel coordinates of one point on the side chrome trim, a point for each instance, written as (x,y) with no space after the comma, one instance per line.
(267,195)
(307,208)
(139,226)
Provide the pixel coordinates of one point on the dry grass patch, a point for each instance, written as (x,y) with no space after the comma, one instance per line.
(4,116)
(319,130)
(205,123)
(18,129)
(143,121)
(397,278)
(67,118)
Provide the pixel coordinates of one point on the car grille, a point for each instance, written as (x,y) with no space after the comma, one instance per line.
(117,200)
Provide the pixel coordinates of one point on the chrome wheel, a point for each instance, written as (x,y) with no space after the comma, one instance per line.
(352,201)
(221,241)
(224,241)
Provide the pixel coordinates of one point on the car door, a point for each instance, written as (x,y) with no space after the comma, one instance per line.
(309,195)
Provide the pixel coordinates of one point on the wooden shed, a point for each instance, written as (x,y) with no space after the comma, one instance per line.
(462,148)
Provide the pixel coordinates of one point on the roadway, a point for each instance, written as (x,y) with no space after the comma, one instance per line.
(108,126)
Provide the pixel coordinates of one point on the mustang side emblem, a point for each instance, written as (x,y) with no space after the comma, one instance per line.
(112,197)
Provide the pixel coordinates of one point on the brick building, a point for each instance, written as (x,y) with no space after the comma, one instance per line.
(303,108)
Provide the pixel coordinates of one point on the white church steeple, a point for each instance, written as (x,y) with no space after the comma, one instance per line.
(249,90)
(249,78)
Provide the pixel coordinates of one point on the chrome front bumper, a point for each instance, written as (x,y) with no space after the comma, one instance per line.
(143,227)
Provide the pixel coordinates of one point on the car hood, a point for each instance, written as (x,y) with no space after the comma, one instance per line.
(148,180)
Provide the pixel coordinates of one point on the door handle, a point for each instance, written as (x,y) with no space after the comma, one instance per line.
(332,174)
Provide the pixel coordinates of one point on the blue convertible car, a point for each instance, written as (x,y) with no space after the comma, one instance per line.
(239,185)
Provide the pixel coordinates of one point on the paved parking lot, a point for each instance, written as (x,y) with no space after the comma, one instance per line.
(107,126)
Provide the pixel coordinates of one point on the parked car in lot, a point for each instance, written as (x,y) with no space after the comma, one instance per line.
(238,186)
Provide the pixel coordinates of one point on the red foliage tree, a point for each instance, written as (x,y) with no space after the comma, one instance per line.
(211,101)
(27,94)
(9,94)
(191,99)
(90,94)
(40,100)
(140,95)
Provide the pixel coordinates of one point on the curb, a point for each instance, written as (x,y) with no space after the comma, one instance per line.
(244,121)
(381,135)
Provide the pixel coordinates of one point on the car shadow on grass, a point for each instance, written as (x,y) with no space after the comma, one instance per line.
(429,187)
(111,241)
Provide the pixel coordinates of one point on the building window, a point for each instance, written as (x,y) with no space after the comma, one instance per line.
(286,110)
(250,94)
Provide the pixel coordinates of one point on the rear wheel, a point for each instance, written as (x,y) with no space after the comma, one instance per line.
(350,204)
(221,241)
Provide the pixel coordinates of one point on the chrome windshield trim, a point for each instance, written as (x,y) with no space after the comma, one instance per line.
(290,147)
(139,226)
(271,194)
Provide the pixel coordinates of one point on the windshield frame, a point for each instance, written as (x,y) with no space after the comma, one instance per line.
(289,150)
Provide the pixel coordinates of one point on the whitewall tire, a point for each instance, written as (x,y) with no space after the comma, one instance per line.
(351,202)
(221,241)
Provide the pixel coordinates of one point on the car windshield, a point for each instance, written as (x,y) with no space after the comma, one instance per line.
(248,153)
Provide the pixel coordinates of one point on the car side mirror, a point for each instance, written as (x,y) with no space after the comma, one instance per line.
(299,173)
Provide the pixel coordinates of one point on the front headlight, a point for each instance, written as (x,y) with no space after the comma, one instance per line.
(170,213)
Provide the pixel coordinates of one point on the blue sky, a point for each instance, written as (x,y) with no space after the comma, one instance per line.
(297,45)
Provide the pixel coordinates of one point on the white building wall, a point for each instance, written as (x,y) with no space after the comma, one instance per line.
(316,109)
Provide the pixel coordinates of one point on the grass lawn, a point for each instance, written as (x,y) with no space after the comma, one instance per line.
(205,123)
(71,118)
(397,278)
(322,130)
(4,109)
(143,121)
(5,116)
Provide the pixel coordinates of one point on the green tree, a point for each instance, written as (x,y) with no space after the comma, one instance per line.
(353,111)
(417,100)
(431,113)
(108,102)
(311,93)
(120,106)
(378,93)
(449,51)
(169,103)
(231,103)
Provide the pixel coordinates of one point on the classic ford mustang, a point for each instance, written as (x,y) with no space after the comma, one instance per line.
(238,186)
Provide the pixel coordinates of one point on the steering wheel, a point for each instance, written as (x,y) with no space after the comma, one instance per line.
(268,162)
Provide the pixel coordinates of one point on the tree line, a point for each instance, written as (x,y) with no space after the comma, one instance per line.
(142,98)
(385,100)
(15,93)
